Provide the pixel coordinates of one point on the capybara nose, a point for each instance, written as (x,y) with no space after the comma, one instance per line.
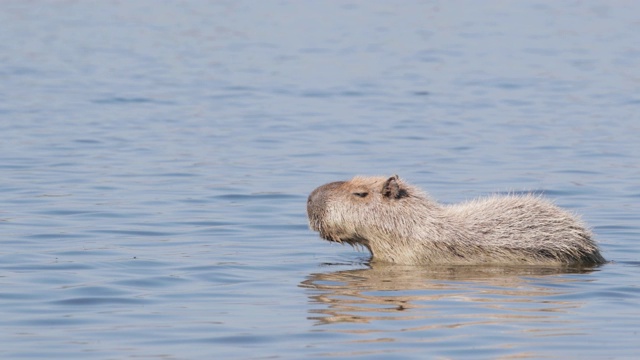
(318,197)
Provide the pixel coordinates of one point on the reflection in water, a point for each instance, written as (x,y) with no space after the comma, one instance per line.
(444,304)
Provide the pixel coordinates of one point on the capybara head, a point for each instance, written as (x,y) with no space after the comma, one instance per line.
(348,211)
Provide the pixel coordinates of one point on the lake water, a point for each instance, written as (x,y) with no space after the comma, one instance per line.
(156,158)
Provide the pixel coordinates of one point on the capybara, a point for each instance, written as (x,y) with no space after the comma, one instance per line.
(398,223)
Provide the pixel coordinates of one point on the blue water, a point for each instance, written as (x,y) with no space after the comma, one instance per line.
(156,158)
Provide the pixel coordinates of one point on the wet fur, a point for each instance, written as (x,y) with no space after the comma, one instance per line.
(398,223)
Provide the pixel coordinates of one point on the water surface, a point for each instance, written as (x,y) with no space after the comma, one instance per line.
(156,159)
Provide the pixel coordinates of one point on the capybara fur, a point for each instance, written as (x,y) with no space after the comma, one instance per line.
(398,223)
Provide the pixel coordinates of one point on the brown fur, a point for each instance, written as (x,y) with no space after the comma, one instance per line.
(398,223)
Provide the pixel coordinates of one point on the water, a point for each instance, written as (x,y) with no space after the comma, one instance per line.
(156,158)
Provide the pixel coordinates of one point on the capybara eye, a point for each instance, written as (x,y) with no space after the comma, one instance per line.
(361,194)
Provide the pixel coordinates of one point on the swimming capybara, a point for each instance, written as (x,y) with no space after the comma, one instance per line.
(398,223)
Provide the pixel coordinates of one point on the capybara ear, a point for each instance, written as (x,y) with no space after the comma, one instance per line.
(392,188)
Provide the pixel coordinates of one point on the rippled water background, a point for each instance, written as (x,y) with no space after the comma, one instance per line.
(156,157)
